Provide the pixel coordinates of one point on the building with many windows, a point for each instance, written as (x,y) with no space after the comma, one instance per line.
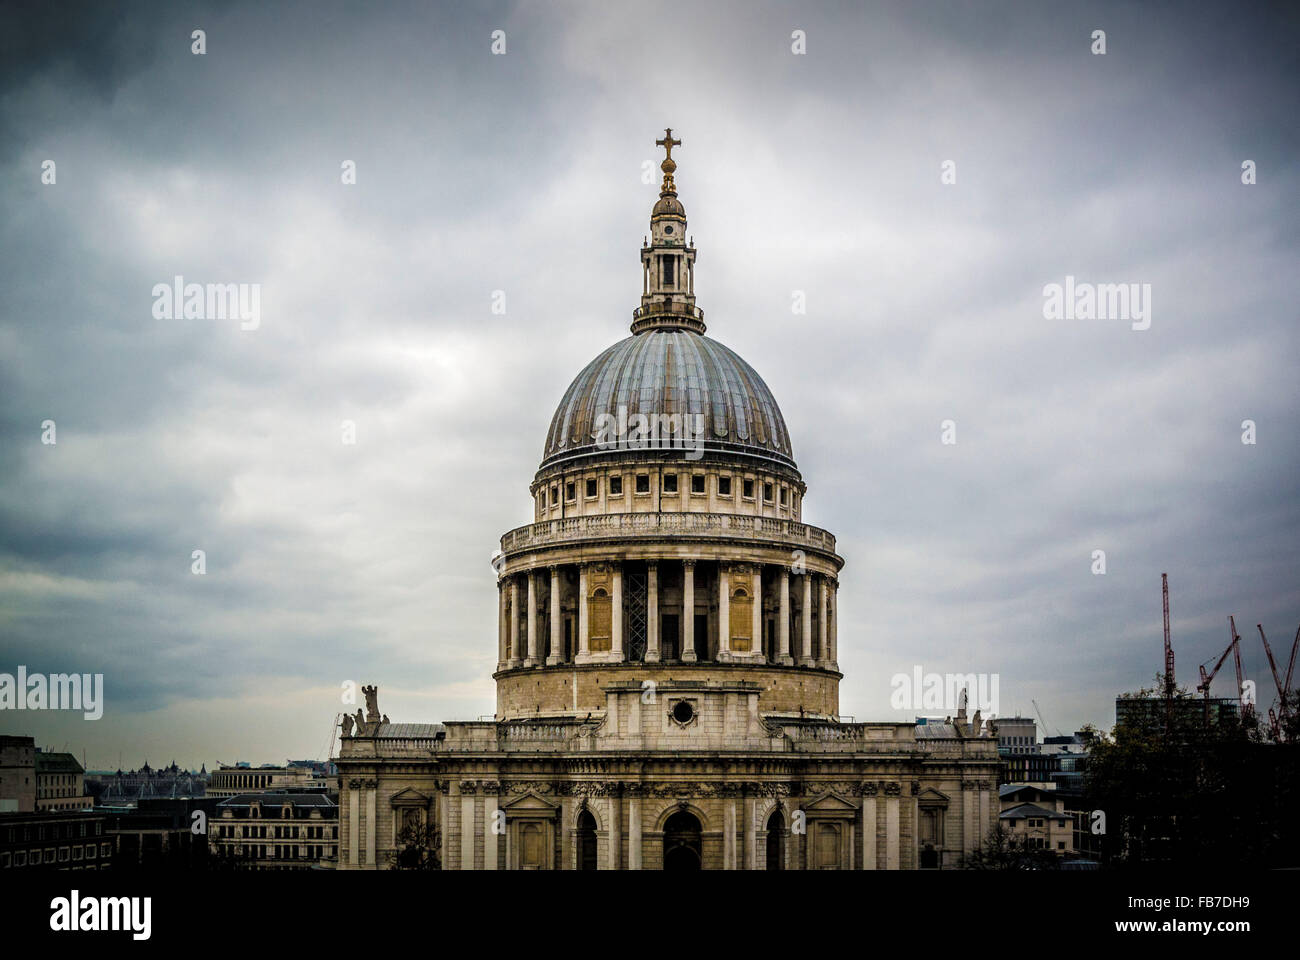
(667,649)
(275,830)
(60,783)
(54,841)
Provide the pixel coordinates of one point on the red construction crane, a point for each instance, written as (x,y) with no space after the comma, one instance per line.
(1283,687)
(1169,655)
(1234,647)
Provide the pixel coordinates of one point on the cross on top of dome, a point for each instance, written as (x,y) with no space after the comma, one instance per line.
(669,164)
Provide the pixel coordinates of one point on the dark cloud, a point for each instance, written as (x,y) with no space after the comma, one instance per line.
(329,563)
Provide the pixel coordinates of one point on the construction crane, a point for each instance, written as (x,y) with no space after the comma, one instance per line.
(1169,655)
(1234,648)
(1043,720)
(1283,688)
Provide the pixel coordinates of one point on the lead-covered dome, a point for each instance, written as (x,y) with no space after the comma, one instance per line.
(667,372)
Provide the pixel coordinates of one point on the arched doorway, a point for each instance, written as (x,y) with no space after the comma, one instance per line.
(682,846)
(586,841)
(775,841)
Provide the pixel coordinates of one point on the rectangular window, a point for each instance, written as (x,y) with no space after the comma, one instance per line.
(591,488)
(724,486)
(670,483)
(643,483)
(570,491)
(670,264)
(747,490)
(616,486)
(697,483)
(767,492)
(783,496)
(555,495)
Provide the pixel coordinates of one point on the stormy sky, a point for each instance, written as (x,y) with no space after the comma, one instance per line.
(523,172)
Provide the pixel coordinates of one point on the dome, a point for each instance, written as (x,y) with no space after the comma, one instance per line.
(668,206)
(666,372)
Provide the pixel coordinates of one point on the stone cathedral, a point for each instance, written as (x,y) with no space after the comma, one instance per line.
(667,658)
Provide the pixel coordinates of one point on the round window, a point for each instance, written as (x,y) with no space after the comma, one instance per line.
(668,228)
(683,712)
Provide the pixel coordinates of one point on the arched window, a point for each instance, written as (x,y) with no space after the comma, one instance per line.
(586,841)
(683,847)
(600,620)
(775,841)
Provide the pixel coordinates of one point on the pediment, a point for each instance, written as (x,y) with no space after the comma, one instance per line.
(931,797)
(530,803)
(831,802)
(409,798)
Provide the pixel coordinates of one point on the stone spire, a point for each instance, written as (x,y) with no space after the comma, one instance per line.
(667,261)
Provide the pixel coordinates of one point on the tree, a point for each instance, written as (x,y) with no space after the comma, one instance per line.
(419,846)
(1003,850)
(1178,789)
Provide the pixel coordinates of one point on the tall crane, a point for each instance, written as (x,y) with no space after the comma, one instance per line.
(1169,655)
(1042,719)
(1283,687)
(1234,648)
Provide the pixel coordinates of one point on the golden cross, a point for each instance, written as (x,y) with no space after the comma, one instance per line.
(668,142)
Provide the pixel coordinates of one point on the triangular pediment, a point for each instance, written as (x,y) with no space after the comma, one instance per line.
(830,803)
(530,803)
(931,796)
(409,798)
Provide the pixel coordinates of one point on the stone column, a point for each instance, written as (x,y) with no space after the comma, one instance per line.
(652,612)
(372,824)
(634,833)
(823,640)
(444,802)
(584,652)
(557,624)
(729,835)
(891,833)
(835,625)
(615,831)
(868,833)
(616,625)
(514,622)
(354,824)
(751,835)
(467,828)
(503,625)
(489,837)
(969,800)
(756,631)
(532,660)
(805,638)
(688,611)
(724,613)
(783,622)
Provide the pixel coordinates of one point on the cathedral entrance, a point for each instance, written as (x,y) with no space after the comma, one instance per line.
(586,841)
(682,844)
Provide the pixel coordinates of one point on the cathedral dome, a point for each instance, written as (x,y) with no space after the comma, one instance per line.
(670,372)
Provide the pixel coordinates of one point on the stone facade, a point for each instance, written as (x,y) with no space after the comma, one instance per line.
(667,651)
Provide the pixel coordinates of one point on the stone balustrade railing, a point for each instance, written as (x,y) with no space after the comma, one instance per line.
(586,736)
(621,526)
